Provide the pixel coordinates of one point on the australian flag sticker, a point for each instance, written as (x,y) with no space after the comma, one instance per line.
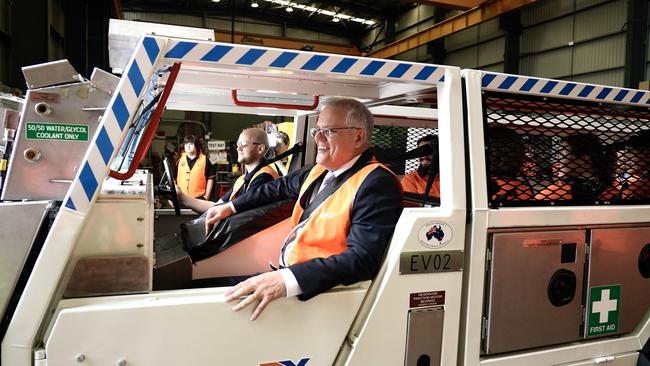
(435,234)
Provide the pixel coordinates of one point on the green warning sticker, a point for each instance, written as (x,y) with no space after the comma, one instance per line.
(604,306)
(56,131)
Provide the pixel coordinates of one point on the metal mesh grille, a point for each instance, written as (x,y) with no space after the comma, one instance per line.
(550,152)
(390,141)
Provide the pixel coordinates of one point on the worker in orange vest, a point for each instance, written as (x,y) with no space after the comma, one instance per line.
(252,145)
(194,171)
(505,158)
(416,181)
(631,179)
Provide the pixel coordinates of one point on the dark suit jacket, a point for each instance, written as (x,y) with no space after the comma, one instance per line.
(375,210)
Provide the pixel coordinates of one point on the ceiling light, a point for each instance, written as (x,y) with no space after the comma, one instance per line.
(289,9)
(216,1)
(254,4)
(336,19)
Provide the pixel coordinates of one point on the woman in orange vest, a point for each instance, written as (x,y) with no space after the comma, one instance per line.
(194,171)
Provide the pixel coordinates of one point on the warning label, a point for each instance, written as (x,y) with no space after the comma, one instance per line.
(420,299)
(56,131)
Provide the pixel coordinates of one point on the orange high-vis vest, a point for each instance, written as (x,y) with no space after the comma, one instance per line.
(513,189)
(413,182)
(192,181)
(239,183)
(633,187)
(559,191)
(325,231)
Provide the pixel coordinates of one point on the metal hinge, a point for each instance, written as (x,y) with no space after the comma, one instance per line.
(40,358)
(351,340)
(604,359)
(484,328)
(488,259)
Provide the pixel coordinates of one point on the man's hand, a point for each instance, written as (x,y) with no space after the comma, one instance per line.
(215,214)
(264,288)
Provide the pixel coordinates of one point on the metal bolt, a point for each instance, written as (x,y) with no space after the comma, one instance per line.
(140,245)
(121,362)
(32,155)
(140,219)
(80,357)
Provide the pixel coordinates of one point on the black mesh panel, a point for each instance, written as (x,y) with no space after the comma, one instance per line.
(555,152)
(390,141)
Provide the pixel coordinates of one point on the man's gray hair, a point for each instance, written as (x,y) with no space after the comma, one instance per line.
(357,115)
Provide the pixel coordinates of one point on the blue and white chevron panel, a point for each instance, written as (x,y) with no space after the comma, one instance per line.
(301,61)
(119,112)
(563,89)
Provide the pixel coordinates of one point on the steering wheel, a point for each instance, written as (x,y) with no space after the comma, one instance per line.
(171,187)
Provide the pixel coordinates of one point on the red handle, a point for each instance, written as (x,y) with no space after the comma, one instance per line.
(146,139)
(241,103)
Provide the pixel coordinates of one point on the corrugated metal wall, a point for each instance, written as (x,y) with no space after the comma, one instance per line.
(581,40)
(576,40)
(242,25)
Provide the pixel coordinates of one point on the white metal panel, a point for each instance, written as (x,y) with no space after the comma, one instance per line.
(601,20)
(197,327)
(609,77)
(545,10)
(548,65)
(600,54)
(491,52)
(555,33)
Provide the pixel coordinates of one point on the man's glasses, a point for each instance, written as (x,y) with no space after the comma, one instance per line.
(244,145)
(329,132)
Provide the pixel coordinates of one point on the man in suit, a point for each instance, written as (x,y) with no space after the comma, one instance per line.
(346,210)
